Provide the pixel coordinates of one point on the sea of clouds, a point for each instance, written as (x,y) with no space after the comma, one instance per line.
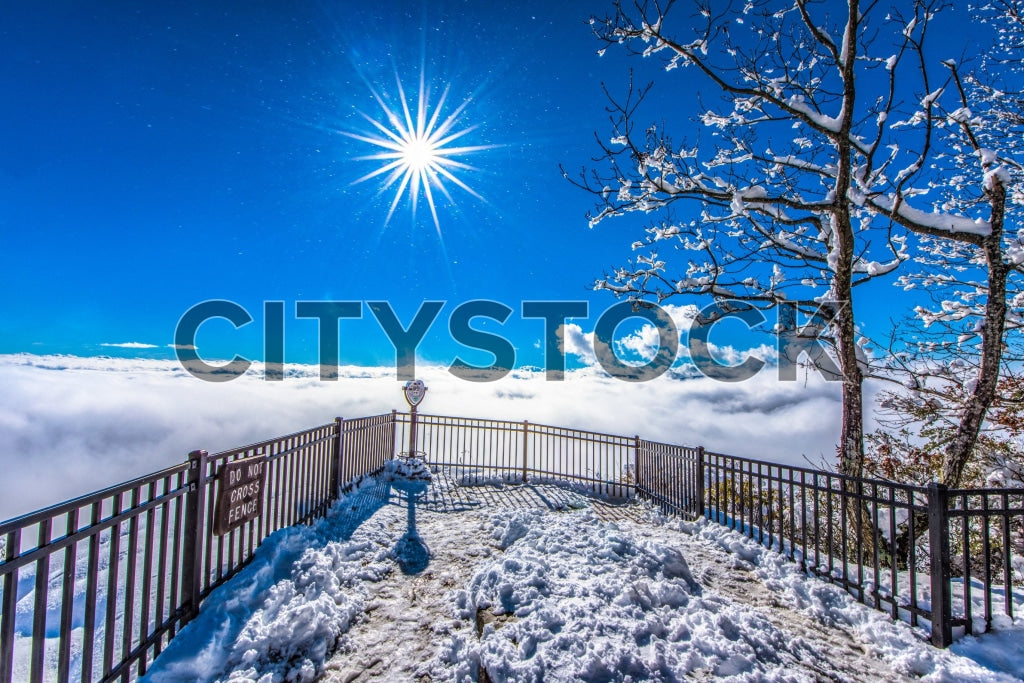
(71,425)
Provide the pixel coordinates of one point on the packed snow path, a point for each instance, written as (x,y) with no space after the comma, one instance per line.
(434,581)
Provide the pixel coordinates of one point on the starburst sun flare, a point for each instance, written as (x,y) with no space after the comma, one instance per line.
(416,150)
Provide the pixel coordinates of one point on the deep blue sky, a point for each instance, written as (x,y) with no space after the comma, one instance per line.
(158,155)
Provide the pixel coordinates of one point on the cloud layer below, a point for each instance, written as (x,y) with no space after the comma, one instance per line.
(72,425)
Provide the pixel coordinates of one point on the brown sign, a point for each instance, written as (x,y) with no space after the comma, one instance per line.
(240,494)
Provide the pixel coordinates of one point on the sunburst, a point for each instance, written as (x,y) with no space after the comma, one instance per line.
(418,150)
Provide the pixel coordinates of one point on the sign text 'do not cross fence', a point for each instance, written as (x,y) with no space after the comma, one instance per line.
(240,493)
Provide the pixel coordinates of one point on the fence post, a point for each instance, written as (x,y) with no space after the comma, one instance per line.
(339,453)
(938,546)
(700,481)
(394,433)
(636,465)
(195,523)
(526,441)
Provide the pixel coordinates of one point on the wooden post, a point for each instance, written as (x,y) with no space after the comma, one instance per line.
(195,523)
(938,546)
(526,443)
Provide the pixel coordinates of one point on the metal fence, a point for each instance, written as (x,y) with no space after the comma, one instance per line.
(96,587)
(917,552)
(485,450)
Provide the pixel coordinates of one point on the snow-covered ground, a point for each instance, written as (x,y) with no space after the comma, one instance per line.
(409,579)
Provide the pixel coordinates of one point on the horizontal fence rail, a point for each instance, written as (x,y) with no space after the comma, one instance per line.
(96,587)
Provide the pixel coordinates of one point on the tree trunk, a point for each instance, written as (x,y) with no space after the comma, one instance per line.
(959,451)
(972,417)
(851,444)
(851,441)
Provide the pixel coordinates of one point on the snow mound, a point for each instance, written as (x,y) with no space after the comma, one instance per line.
(303,618)
(406,469)
(574,598)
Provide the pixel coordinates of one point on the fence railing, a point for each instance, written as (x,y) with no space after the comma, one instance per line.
(917,552)
(111,577)
(482,450)
(108,579)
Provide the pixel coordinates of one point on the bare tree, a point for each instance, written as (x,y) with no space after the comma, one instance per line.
(803,187)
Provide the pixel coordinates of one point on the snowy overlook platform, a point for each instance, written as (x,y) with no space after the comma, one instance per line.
(426,576)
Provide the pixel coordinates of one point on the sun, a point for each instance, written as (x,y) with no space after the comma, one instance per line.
(419,154)
(417,149)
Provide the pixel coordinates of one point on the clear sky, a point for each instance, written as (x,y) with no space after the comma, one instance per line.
(158,155)
(155,156)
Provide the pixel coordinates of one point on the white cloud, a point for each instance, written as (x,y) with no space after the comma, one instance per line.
(644,342)
(131,345)
(73,425)
(573,341)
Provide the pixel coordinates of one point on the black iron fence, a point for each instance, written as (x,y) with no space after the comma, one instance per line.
(96,587)
(485,450)
(917,552)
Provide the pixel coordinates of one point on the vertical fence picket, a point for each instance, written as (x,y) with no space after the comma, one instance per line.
(91,590)
(1007,555)
(39,608)
(67,601)
(637,481)
(526,446)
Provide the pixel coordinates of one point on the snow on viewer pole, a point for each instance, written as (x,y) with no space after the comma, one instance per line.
(414,391)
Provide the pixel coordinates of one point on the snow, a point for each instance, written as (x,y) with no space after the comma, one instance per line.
(410,579)
(971,658)
(936,221)
(796,103)
(996,177)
